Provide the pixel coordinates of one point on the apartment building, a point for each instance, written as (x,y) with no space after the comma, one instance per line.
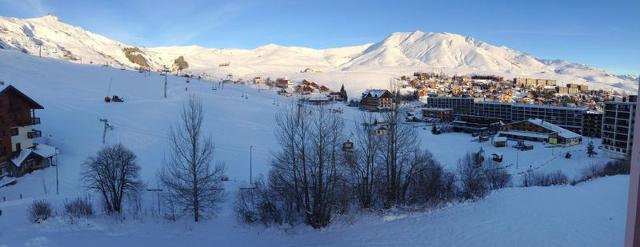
(617,126)
(571,118)
(460,105)
(592,126)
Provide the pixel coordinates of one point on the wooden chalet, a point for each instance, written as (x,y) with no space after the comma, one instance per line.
(19,154)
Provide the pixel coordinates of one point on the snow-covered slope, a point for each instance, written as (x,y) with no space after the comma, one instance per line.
(359,67)
(590,214)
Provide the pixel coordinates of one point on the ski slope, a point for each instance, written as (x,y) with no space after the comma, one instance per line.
(590,214)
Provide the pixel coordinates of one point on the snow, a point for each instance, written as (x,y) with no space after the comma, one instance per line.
(590,214)
(358,67)
(21,157)
(45,150)
(376,93)
(555,128)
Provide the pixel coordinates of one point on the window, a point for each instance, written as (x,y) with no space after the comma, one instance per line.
(14,131)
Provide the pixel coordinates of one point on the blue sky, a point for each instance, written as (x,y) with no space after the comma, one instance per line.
(605,34)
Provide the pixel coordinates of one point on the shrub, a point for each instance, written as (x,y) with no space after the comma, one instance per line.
(542,179)
(40,211)
(473,179)
(497,177)
(611,168)
(78,208)
(256,205)
(431,184)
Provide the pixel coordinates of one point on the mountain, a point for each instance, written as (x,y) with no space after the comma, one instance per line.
(359,67)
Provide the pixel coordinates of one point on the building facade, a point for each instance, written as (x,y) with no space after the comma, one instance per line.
(617,127)
(592,126)
(19,154)
(377,100)
(571,118)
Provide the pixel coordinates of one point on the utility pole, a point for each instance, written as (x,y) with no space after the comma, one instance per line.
(165,84)
(157,190)
(251,165)
(57,181)
(107,126)
(40,52)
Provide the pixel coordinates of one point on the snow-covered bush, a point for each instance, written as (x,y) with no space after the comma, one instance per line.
(78,208)
(430,183)
(497,177)
(474,183)
(611,168)
(39,211)
(256,205)
(542,179)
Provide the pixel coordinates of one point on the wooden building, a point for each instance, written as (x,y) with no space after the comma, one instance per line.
(19,154)
(377,100)
(535,129)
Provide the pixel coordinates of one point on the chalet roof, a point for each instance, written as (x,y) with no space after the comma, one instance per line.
(42,150)
(376,93)
(9,88)
(565,133)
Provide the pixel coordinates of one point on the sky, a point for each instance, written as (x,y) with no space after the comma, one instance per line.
(604,34)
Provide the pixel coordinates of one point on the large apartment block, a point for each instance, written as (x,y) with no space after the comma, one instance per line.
(460,105)
(617,126)
(571,118)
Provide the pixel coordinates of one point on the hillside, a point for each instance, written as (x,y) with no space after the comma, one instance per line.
(72,95)
(358,67)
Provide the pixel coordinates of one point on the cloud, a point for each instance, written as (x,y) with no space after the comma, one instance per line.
(27,7)
(204,21)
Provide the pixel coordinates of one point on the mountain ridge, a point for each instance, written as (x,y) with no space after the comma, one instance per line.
(398,53)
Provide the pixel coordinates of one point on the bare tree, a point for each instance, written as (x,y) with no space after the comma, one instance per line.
(305,172)
(114,173)
(474,183)
(400,142)
(192,182)
(361,163)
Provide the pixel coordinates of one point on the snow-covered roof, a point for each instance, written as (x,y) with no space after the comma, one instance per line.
(499,139)
(42,150)
(565,133)
(524,133)
(17,161)
(377,93)
(45,150)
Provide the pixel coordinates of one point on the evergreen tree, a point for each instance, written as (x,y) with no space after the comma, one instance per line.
(343,93)
(590,150)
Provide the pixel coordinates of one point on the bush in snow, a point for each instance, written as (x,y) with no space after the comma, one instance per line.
(39,211)
(497,177)
(611,168)
(430,183)
(474,183)
(78,208)
(542,179)
(255,204)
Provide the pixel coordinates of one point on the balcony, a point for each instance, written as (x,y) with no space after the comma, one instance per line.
(35,120)
(34,134)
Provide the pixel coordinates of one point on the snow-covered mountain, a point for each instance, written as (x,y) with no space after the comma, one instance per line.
(364,66)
